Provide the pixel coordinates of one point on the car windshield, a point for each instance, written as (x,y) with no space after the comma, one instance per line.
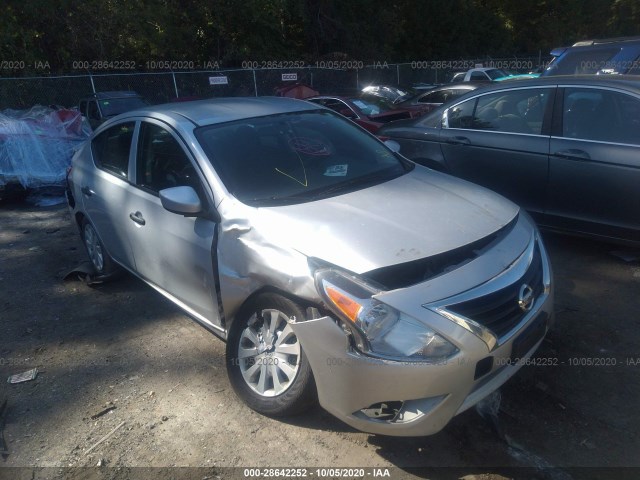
(370,107)
(296,157)
(369,103)
(580,61)
(389,93)
(116,106)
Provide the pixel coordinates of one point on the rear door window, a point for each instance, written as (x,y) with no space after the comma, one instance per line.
(601,115)
(111,149)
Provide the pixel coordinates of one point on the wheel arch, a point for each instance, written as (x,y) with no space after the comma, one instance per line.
(79,218)
(300,390)
(305,304)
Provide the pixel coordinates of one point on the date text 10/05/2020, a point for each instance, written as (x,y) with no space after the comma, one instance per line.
(316,472)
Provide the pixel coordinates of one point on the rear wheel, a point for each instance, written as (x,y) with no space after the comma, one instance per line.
(100,259)
(266,364)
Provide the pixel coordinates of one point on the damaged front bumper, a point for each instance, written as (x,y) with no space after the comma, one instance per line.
(399,398)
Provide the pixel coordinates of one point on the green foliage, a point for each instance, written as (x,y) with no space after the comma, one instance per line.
(62,32)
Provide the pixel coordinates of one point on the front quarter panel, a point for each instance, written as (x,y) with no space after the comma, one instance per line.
(250,260)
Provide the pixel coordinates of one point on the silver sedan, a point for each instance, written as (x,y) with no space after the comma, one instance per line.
(335,269)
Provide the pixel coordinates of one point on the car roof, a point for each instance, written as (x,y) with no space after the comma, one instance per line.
(603,41)
(454,86)
(338,97)
(114,94)
(220,110)
(627,82)
(348,100)
(597,44)
(631,82)
(380,87)
(447,86)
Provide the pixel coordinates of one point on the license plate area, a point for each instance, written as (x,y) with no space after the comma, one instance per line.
(527,339)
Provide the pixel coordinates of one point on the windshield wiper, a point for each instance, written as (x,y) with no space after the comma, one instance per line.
(369,179)
(273,200)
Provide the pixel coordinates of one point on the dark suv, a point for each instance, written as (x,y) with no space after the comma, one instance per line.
(100,106)
(608,56)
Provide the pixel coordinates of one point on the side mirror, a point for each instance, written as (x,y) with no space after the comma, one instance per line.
(392,145)
(181,200)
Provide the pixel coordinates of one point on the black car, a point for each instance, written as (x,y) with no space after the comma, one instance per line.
(606,56)
(565,148)
(101,106)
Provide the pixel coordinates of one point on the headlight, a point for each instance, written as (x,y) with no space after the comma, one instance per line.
(378,328)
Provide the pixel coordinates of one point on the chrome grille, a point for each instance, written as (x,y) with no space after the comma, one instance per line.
(499,311)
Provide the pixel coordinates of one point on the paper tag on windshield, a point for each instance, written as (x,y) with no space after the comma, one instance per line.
(336,171)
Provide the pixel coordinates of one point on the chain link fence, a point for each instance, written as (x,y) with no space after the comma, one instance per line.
(160,87)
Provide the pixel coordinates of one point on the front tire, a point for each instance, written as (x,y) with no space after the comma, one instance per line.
(266,365)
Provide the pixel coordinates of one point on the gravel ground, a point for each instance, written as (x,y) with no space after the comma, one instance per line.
(121,346)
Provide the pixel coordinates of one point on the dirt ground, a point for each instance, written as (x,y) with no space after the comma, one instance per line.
(123,345)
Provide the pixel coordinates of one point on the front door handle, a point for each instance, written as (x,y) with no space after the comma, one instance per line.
(459,141)
(573,153)
(138,218)
(87,191)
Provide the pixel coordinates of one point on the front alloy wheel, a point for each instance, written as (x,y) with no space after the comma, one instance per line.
(269,353)
(266,364)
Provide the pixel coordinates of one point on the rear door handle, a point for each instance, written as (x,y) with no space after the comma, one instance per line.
(138,218)
(459,141)
(573,153)
(87,191)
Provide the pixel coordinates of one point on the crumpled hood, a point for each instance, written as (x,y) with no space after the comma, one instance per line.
(420,214)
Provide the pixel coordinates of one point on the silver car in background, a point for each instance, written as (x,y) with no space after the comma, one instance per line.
(336,270)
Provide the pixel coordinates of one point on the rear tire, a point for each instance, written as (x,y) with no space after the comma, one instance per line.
(266,365)
(102,263)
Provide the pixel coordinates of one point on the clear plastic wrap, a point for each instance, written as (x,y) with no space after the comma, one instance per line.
(36,145)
